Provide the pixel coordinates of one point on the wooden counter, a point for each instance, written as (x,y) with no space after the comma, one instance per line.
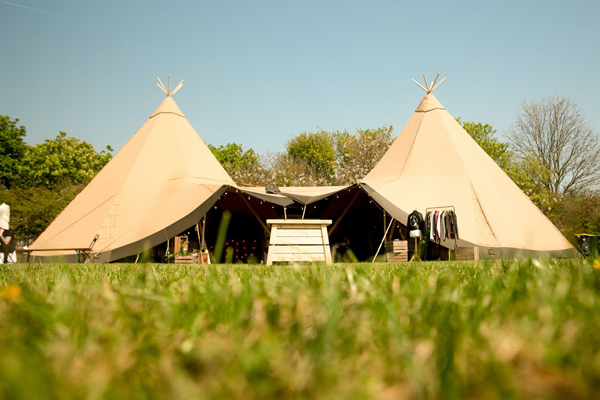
(299,240)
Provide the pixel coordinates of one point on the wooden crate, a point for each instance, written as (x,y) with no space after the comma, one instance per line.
(185,259)
(299,240)
(396,250)
(466,253)
(396,246)
(397,257)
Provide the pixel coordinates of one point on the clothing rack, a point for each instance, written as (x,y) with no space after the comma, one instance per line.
(443,208)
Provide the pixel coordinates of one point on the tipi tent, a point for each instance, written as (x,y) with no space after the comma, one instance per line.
(161,182)
(434,162)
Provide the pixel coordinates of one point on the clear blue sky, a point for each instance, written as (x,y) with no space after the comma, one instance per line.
(260,72)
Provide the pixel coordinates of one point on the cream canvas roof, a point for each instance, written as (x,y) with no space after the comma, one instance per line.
(289,195)
(161,182)
(434,162)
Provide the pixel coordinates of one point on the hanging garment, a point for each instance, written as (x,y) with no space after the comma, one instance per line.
(430,228)
(415,221)
(438,226)
(443,225)
(453,225)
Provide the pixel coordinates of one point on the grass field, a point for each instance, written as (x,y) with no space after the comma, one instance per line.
(503,329)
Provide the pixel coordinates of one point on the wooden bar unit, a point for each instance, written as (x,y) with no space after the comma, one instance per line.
(299,240)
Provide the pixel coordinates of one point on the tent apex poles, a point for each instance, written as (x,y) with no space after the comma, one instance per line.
(435,80)
(429,88)
(162,87)
(419,85)
(438,84)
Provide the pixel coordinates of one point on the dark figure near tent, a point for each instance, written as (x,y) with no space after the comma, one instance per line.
(7,245)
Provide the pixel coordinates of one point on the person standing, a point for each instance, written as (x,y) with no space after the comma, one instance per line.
(7,246)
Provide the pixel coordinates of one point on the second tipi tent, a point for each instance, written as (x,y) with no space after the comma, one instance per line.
(434,164)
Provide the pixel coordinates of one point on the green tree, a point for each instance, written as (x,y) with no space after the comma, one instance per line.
(358,153)
(577,213)
(12,149)
(243,166)
(34,208)
(317,150)
(60,162)
(285,170)
(328,158)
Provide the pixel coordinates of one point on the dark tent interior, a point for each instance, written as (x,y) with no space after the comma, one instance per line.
(235,229)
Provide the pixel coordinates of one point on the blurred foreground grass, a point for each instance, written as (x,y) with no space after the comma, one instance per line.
(504,329)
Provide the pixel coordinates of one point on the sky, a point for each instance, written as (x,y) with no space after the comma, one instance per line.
(258,73)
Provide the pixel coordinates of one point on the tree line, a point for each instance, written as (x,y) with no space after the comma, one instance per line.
(318,158)
(552,154)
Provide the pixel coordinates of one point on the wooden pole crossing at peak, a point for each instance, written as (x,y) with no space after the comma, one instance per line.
(169,93)
(429,88)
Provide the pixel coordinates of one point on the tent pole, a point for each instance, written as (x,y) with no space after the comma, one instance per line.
(391,232)
(382,240)
(199,238)
(199,241)
(255,214)
(204,247)
(203,233)
(343,214)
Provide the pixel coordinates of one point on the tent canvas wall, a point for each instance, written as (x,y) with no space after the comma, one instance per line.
(161,182)
(434,162)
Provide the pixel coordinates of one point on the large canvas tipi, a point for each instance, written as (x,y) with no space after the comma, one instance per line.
(161,182)
(434,162)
